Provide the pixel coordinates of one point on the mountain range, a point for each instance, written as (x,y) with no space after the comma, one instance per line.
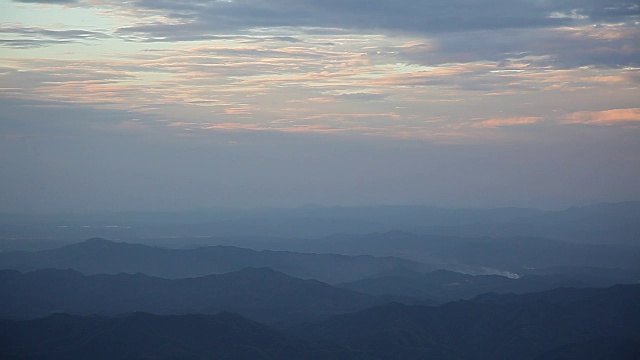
(444,285)
(341,283)
(337,259)
(478,255)
(606,223)
(565,323)
(140,336)
(259,293)
(526,326)
(100,256)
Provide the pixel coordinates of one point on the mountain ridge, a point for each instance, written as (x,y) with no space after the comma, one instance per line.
(105,256)
(261,294)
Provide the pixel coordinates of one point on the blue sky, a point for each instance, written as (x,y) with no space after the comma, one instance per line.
(112,105)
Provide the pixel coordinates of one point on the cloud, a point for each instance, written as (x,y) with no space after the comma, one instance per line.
(193,20)
(36,37)
(47,1)
(97,82)
(230,126)
(361,96)
(610,9)
(608,46)
(565,34)
(605,117)
(310,76)
(490,78)
(499,122)
(30,44)
(56,34)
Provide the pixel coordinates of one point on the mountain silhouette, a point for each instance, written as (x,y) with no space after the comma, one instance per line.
(145,336)
(560,324)
(100,256)
(494,327)
(444,285)
(514,253)
(259,293)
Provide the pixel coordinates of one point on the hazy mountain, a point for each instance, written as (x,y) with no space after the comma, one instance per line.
(507,329)
(443,285)
(608,223)
(600,223)
(596,275)
(301,222)
(259,293)
(8,245)
(516,254)
(99,256)
(144,336)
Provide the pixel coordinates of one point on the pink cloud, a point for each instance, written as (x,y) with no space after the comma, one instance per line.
(499,122)
(235,127)
(606,117)
(237,111)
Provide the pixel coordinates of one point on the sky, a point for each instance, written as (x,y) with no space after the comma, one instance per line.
(187,104)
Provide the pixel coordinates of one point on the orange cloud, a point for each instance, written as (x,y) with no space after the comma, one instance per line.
(311,128)
(606,117)
(181,124)
(237,111)
(498,122)
(235,127)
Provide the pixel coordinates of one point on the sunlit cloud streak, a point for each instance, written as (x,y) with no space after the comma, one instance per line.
(490,123)
(606,117)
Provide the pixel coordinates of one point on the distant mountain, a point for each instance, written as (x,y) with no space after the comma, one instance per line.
(8,245)
(301,222)
(507,329)
(607,223)
(600,223)
(517,254)
(100,256)
(444,285)
(259,293)
(144,336)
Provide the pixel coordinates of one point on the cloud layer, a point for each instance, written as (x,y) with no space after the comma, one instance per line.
(423,88)
(407,15)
